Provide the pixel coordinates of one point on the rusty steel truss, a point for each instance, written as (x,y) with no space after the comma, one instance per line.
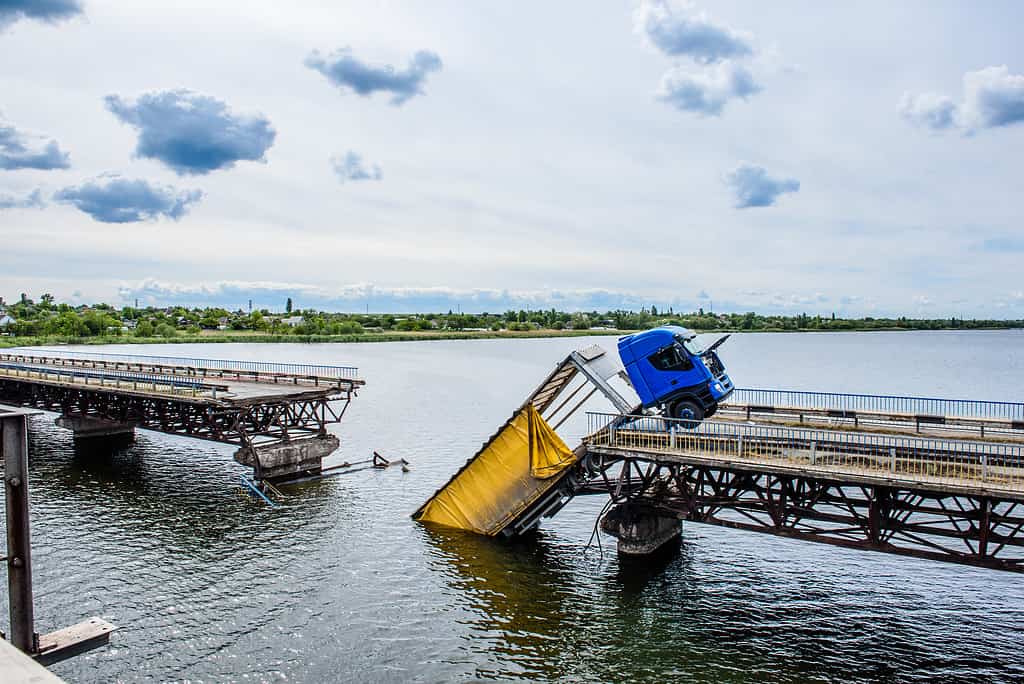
(969,529)
(249,423)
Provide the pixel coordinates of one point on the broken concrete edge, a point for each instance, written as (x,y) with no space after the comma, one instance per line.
(284,460)
(88,427)
(641,531)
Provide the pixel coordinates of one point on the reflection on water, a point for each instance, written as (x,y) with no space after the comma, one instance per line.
(338,584)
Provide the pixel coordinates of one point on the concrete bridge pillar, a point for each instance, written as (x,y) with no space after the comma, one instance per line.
(95,429)
(286,460)
(641,530)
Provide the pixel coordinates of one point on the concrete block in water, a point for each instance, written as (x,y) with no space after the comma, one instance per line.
(640,530)
(289,459)
(88,427)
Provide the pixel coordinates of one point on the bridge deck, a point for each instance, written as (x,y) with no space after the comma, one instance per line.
(895,414)
(247,403)
(226,393)
(211,382)
(961,467)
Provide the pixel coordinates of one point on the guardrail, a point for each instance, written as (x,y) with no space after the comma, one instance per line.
(265,367)
(112,379)
(990,463)
(908,405)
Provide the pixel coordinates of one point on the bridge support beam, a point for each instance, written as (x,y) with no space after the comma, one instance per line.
(96,429)
(641,530)
(288,460)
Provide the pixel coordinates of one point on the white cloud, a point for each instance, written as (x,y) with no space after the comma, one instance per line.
(34,200)
(929,110)
(350,167)
(358,296)
(753,186)
(676,30)
(345,71)
(21,150)
(993,98)
(706,91)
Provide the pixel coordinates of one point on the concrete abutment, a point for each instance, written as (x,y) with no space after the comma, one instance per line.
(97,430)
(286,460)
(641,530)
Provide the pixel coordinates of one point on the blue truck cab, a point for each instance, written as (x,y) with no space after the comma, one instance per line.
(670,370)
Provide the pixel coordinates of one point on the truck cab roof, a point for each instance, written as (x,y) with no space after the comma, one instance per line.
(641,344)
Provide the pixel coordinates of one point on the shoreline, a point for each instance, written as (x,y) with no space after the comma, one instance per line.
(375,337)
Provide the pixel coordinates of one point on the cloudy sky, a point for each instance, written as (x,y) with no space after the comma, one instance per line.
(783,157)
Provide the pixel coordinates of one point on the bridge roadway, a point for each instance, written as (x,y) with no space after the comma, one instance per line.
(895,414)
(277,414)
(947,499)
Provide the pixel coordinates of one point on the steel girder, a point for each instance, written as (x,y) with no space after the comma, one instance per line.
(973,530)
(248,425)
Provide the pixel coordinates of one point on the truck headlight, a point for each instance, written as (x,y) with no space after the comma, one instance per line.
(718,387)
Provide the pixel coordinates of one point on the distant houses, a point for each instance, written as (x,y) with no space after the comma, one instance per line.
(293,321)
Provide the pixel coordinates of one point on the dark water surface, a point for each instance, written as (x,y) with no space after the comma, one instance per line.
(340,585)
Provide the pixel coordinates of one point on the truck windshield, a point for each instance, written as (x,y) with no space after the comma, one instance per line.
(693,346)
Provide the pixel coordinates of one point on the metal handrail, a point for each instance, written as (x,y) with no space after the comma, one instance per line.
(297,369)
(114,377)
(908,405)
(919,458)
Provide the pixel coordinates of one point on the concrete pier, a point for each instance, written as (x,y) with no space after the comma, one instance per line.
(289,459)
(641,531)
(87,427)
(18,668)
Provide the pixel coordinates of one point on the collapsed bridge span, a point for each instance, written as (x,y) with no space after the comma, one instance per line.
(929,478)
(275,413)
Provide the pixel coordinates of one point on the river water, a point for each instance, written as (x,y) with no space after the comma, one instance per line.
(340,585)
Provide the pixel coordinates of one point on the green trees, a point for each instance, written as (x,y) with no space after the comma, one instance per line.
(99,323)
(47,318)
(580,321)
(346,328)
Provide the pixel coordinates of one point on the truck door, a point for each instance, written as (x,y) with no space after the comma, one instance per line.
(669,369)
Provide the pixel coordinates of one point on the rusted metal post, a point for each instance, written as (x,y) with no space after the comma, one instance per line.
(19,554)
(62,643)
(984,526)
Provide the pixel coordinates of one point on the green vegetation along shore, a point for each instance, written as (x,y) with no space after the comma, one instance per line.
(27,322)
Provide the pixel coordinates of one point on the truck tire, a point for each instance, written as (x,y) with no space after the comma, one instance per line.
(688,411)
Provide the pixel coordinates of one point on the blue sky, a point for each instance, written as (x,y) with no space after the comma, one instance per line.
(781,157)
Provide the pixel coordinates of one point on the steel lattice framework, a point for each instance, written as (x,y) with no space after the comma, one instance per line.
(924,523)
(244,423)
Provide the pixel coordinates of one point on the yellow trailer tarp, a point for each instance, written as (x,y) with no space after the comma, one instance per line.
(505,477)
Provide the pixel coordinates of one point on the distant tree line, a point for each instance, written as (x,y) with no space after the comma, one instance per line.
(46,318)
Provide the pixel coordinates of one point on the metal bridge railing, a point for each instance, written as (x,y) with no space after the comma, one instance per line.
(833,401)
(267,367)
(110,379)
(927,460)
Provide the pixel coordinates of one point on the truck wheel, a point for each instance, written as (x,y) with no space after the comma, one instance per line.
(688,411)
